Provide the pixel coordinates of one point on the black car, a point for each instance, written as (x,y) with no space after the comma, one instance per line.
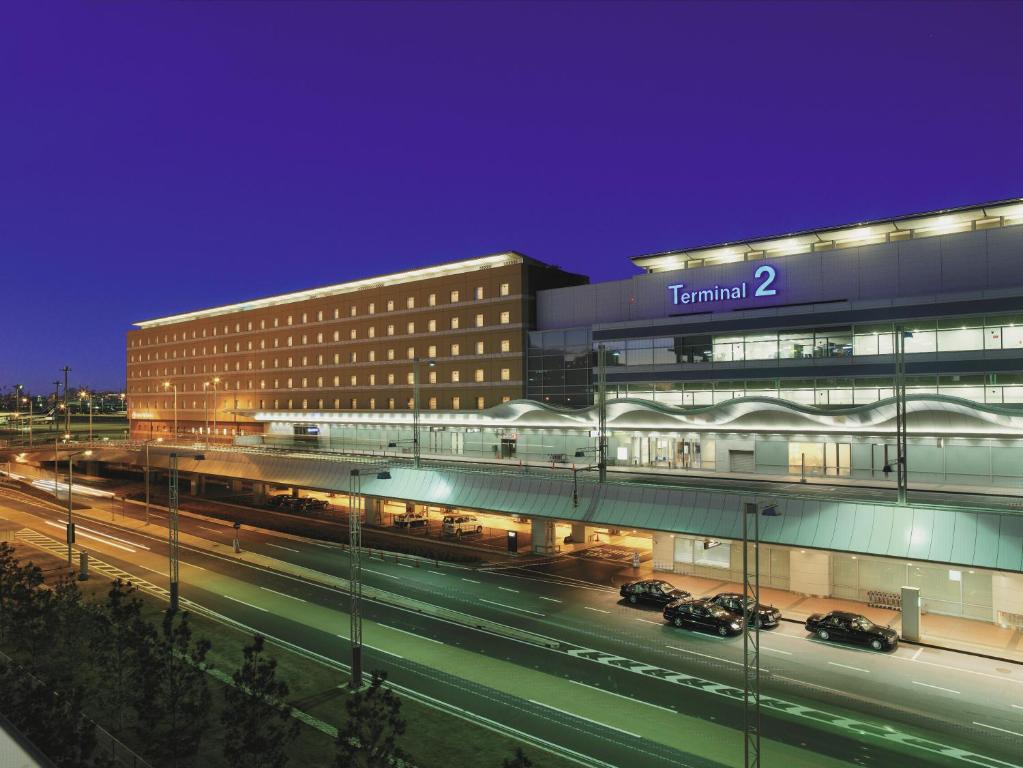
(652,591)
(852,628)
(768,615)
(703,615)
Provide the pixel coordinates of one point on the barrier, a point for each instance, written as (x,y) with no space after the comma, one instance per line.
(890,600)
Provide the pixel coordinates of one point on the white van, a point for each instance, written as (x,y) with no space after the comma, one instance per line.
(461,525)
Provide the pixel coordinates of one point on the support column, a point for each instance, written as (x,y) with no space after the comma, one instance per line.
(1007,599)
(581,533)
(194,485)
(543,537)
(664,552)
(236,486)
(810,572)
(374,511)
(259,493)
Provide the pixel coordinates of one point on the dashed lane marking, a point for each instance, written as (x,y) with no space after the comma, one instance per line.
(511,607)
(627,698)
(598,610)
(588,720)
(847,666)
(935,687)
(996,728)
(284,594)
(286,549)
(381,573)
(235,599)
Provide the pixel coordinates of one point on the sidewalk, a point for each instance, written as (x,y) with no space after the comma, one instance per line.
(948,632)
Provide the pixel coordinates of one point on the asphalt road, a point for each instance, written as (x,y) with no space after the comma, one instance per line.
(912,707)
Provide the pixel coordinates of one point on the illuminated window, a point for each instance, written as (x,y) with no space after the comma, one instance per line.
(291,341)
(479,347)
(337,381)
(431,351)
(506,345)
(337,358)
(456,402)
(410,378)
(372,379)
(372,308)
(337,335)
(455,350)
(390,403)
(305,382)
(372,355)
(390,378)
(319,381)
(390,305)
(337,403)
(505,399)
(289,321)
(481,402)
(372,403)
(454,323)
(454,296)
(319,316)
(319,403)
(390,354)
(305,317)
(433,403)
(354,380)
(390,330)
(305,338)
(505,289)
(479,293)
(410,327)
(353,357)
(506,374)
(433,377)
(431,325)
(353,334)
(432,300)
(479,321)
(372,332)
(505,318)
(354,403)
(410,302)
(305,403)
(289,385)
(456,376)
(319,338)
(479,374)
(352,311)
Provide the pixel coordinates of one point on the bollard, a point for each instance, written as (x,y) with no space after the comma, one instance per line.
(237,545)
(83,566)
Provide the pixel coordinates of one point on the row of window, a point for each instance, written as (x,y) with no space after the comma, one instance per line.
(504,318)
(432,403)
(479,294)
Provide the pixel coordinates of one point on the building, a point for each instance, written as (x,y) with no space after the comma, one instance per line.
(359,345)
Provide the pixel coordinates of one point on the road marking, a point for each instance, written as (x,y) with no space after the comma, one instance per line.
(384,650)
(961,669)
(509,589)
(708,656)
(381,573)
(775,650)
(918,652)
(437,572)
(111,536)
(598,610)
(471,581)
(153,570)
(647,621)
(264,610)
(286,549)
(580,717)
(627,698)
(63,527)
(404,565)
(215,530)
(846,666)
(1016,706)
(937,687)
(413,634)
(283,594)
(996,728)
(549,599)
(511,607)
(192,565)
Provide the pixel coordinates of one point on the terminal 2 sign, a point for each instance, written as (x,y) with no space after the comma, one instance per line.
(761,286)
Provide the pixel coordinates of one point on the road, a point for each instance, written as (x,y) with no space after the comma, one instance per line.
(911,707)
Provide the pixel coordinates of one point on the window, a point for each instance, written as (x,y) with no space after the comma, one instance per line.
(289,385)
(305,382)
(289,320)
(372,379)
(454,297)
(353,357)
(455,350)
(505,399)
(372,308)
(337,403)
(479,293)
(291,341)
(432,300)
(337,312)
(337,358)
(353,334)
(352,311)
(479,347)
(505,289)
(433,403)
(506,345)
(479,374)
(410,353)
(354,380)
(337,381)
(431,351)
(456,376)
(319,338)
(456,402)
(481,402)
(390,403)
(372,355)
(372,403)
(410,327)
(305,317)
(479,320)
(372,332)
(390,378)
(505,318)
(354,403)
(431,325)
(390,305)
(506,374)
(390,330)
(390,354)
(337,335)
(305,403)
(319,315)
(410,378)
(410,302)
(454,323)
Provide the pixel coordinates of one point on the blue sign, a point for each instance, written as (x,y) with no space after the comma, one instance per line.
(762,281)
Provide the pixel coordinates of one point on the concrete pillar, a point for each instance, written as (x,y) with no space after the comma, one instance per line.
(543,537)
(193,485)
(259,493)
(664,552)
(911,613)
(1007,599)
(374,511)
(236,486)
(581,533)
(809,572)
(92,468)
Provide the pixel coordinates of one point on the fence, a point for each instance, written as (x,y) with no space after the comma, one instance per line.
(890,600)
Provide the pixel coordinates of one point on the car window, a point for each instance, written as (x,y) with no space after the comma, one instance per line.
(836,621)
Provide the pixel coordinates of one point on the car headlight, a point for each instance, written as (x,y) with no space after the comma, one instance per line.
(734,625)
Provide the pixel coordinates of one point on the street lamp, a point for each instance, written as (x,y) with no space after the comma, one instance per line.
(416,361)
(355,568)
(172,529)
(29,401)
(751,636)
(70,510)
(83,395)
(169,385)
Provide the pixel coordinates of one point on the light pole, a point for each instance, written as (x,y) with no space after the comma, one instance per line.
(900,412)
(355,569)
(83,395)
(206,408)
(751,635)
(29,401)
(70,510)
(216,380)
(18,389)
(172,528)
(67,411)
(56,400)
(602,413)
(416,361)
(169,385)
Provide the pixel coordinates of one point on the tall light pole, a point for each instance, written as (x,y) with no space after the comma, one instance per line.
(601,413)
(751,635)
(355,569)
(172,528)
(169,385)
(70,509)
(56,400)
(67,411)
(83,395)
(900,412)
(416,361)
(29,401)
(18,389)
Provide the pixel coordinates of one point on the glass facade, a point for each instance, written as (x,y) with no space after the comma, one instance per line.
(560,367)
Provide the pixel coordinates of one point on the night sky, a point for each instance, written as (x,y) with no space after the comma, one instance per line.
(163,157)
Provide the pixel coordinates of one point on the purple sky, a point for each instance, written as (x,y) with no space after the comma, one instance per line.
(164,157)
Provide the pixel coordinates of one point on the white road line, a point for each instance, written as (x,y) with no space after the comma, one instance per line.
(580,717)
(511,607)
(627,698)
(471,581)
(549,599)
(90,536)
(110,536)
(509,589)
(846,666)
(812,685)
(283,594)
(918,652)
(437,572)
(1016,706)
(775,650)
(153,570)
(381,573)
(215,530)
(996,728)
(961,669)
(708,656)
(404,565)
(192,565)
(384,650)
(598,610)
(413,634)
(647,621)
(937,687)
(286,549)
(264,610)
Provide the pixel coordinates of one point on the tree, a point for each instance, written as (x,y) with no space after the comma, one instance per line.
(172,696)
(258,726)
(368,737)
(117,647)
(518,760)
(18,586)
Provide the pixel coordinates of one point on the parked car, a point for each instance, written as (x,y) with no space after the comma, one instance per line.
(767,615)
(414,519)
(460,525)
(280,500)
(852,628)
(314,503)
(703,615)
(653,591)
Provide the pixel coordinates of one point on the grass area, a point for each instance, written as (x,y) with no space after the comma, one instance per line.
(433,739)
